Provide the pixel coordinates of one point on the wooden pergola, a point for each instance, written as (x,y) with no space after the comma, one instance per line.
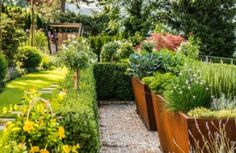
(59,34)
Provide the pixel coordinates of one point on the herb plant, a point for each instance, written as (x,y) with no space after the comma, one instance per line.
(187,92)
(158,82)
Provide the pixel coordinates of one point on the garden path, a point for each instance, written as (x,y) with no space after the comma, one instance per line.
(122,131)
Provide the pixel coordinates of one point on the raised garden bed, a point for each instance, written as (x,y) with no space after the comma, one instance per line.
(177,131)
(143,100)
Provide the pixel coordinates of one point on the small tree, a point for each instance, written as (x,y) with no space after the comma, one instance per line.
(77,55)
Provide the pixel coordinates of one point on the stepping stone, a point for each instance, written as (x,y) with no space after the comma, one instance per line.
(2,127)
(54,86)
(6,119)
(48,89)
(41,91)
(16,112)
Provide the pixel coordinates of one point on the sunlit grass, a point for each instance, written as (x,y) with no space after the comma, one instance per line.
(14,90)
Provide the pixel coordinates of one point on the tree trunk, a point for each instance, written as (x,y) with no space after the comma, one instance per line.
(76,79)
(33,23)
(63,5)
(1,8)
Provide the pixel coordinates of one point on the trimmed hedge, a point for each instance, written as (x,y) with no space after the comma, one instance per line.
(79,113)
(112,83)
(3,70)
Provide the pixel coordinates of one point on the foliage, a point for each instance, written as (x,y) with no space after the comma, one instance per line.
(76,55)
(213,22)
(93,25)
(127,17)
(190,48)
(29,57)
(109,50)
(168,41)
(187,92)
(220,77)
(3,70)
(12,33)
(97,42)
(144,65)
(111,82)
(208,113)
(158,82)
(35,130)
(223,103)
(41,41)
(124,51)
(47,62)
(164,61)
(147,46)
(79,111)
(136,39)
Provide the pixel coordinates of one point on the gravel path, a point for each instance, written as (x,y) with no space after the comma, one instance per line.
(122,131)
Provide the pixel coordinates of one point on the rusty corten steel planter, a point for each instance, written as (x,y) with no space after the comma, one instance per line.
(143,100)
(177,131)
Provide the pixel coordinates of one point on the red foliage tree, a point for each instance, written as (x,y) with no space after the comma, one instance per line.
(169,41)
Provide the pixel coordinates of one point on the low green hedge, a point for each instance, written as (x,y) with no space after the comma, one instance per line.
(79,113)
(112,83)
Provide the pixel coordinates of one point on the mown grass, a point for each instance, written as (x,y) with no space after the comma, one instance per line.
(14,90)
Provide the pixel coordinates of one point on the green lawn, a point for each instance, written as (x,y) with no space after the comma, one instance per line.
(14,90)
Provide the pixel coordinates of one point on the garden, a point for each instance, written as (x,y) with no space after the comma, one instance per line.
(133,76)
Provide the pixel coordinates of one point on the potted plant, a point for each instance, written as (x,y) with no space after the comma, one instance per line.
(145,64)
(189,118)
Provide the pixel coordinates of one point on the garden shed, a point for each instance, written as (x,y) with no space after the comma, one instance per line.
(58,33)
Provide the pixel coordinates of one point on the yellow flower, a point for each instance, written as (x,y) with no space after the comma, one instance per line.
(74,148)
(28,126)
(34,149)
(66,148)
(61,132)
(44,151)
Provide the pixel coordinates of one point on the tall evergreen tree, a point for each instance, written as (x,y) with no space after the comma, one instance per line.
(213,21)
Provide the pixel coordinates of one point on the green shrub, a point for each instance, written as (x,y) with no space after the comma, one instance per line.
(3,70)
(207,113)
(191,48)
(79,113)
(187,92)
(111,82)
(41,41)
(124,51)
(97,42)
(47,62)
(223,103)
(143,65)
(29,57)
(108,51)
(158,82)
(147,46)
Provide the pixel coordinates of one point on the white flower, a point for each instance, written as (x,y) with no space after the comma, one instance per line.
(194,97)
(181,92)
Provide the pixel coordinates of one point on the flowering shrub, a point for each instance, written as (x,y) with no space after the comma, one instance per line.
(187,92)
(169,41)
(36,130)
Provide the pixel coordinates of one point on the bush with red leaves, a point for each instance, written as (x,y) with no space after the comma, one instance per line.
(169,41)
